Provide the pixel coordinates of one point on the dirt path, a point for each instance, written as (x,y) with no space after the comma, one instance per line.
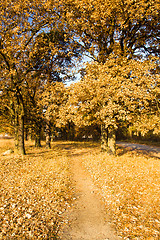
(152,150)
(87,217)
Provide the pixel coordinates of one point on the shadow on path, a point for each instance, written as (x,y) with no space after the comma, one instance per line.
(150,151)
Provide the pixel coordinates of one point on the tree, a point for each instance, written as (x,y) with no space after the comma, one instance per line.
(52,98)
(28,29)
(6,122)
(102,28)
(20,23)
(52,61)
(115,92)
(119,28)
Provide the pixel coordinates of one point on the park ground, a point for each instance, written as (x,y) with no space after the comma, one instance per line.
(74,191)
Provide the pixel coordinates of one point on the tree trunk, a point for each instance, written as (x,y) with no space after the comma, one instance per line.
(48,135)
(130,131)
(31,135)
(26,134)
(21,136)
(38,137)
(104,136)
(71,131)
(16,133)
(64,134)
(111,140)
(19,133)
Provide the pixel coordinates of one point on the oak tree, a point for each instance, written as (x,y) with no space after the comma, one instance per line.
(118,91)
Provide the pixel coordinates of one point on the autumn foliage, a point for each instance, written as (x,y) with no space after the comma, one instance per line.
(129,186)
(42,44)
(35,191)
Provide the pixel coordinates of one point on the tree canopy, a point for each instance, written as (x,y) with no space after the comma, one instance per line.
(121,27)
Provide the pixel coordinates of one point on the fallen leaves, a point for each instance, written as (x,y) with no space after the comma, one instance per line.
(129,185)
(35,191)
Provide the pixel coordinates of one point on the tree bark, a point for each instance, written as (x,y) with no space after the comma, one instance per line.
(48,135)
(21,136)
(71,131)
(38,137)
(19,131)
(111,140)
(16,133)
(104,137)
(26,134)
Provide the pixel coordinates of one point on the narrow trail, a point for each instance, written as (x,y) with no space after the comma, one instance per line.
(87,217)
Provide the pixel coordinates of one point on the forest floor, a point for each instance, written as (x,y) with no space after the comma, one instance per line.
(88,218)
(98,196)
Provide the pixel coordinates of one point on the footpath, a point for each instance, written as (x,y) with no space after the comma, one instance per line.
(87,218)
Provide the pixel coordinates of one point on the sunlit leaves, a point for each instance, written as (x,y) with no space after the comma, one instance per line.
(35,191)
(121,27)
(119,90)
(129,186)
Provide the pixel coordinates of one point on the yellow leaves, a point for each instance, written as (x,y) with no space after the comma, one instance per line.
(119,27)
(35,192)
(149,122)
(53,100)
(129,185)
(116,88)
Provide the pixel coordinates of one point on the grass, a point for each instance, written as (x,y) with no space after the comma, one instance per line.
(129,185)
(34,192)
